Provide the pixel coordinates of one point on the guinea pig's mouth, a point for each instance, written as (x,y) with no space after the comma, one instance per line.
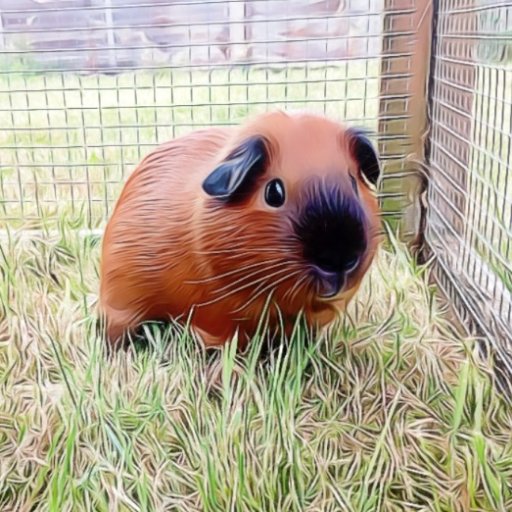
(329,283)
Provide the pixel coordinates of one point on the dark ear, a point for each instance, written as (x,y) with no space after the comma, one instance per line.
(243,164)
(365,154)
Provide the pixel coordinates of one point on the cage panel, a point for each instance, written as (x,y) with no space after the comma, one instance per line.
(470,194)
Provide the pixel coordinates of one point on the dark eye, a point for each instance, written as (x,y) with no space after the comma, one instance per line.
(274,193)
(354,184)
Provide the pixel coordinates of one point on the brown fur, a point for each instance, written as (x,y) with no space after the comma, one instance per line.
(169,248)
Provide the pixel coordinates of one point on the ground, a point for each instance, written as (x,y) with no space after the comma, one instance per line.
(395,411)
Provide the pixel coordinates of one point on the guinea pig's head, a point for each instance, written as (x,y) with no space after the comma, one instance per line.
(290,209)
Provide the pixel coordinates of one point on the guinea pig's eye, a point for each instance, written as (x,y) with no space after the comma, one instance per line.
(354,184)
(274,193)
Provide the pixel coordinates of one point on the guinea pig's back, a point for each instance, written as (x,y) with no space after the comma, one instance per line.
(175,165)
(152,226)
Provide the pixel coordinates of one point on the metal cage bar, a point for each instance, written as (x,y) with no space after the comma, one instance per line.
(469,222)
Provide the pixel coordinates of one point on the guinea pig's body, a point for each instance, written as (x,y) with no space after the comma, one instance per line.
(217,222)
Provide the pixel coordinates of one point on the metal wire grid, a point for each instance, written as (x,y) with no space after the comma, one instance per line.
(469,227)
(71,134)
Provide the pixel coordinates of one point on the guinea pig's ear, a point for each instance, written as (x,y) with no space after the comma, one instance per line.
(237,170)
(365,154)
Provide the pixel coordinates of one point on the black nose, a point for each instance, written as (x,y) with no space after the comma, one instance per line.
(331,257)
(329,284)
(332,230)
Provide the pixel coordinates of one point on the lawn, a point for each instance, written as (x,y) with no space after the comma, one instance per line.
(393,411)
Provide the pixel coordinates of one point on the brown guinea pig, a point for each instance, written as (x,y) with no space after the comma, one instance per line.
(215,225)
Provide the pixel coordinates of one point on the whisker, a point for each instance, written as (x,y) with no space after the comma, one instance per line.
(292,288)
(251,275)
(230,272)
(240,288)
(255,250)
(274,285)
(295,287)
(305,281)
(261,285)
(234,253)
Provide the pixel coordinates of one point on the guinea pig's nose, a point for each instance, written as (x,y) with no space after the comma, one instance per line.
(331,227)
(331,280)
(332,259)
(329,284)
(351,263)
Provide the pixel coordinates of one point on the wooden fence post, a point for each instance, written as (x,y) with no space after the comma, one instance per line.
(403,109)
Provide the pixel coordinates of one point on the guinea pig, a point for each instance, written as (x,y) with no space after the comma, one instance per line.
(216,225)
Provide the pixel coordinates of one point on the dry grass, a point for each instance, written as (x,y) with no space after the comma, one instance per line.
(392,412)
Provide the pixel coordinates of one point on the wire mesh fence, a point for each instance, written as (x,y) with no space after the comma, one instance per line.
(469,226)
(88,87)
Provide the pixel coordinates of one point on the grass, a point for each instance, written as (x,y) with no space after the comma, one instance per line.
(393,411)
